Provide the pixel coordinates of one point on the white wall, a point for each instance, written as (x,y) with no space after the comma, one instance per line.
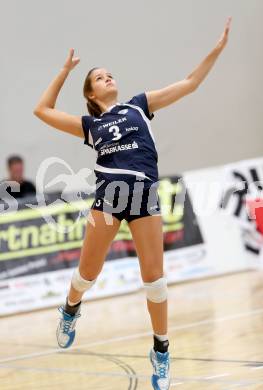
(147,45)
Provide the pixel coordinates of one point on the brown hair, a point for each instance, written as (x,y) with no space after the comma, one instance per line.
(93,108)
(13,160)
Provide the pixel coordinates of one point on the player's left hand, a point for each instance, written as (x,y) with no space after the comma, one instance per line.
(224,37)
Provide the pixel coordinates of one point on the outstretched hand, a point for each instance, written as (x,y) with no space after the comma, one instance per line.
(71,61)
(224,37)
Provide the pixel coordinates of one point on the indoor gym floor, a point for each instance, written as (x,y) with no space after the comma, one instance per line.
(216,341)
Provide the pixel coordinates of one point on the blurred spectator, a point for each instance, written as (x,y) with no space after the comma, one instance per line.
(15,167)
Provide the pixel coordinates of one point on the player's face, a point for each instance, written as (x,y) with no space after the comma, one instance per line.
(103,84)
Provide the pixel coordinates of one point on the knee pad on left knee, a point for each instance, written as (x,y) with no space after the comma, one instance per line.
(157,291)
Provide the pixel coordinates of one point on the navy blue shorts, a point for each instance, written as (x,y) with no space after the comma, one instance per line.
(130,206)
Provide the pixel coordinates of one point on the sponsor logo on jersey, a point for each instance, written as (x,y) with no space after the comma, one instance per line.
(124,111)
(119,148)
(105,125)
(98,141)
(109,145)
(132,128)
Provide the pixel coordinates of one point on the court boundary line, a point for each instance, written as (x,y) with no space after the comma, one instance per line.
(132,336)
(174,380)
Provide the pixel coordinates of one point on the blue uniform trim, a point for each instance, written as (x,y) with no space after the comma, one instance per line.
(121,171)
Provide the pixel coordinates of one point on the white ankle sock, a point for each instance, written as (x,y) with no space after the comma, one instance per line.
(72,303)
(161,337)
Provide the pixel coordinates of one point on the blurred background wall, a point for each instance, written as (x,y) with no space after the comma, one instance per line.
(221,122)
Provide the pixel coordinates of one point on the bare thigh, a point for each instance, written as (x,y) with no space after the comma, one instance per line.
(147,233)
(97,239)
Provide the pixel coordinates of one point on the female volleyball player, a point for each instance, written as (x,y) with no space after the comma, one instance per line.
(127,161)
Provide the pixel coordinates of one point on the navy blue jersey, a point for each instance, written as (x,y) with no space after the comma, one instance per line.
(124,142)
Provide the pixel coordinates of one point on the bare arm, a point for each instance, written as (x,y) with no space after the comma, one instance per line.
(163,97)
(45,109)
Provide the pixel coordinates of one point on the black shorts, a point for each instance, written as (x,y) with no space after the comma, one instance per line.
(131,206)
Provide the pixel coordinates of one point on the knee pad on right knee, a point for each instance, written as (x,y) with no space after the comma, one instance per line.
(79,283)
(157,291)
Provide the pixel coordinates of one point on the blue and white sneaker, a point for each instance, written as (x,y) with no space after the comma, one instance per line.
(161,370)
(66,328)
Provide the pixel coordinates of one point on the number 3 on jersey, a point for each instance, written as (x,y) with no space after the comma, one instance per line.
(116,132)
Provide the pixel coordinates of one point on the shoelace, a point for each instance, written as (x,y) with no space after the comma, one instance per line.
(162,369)
(67,324)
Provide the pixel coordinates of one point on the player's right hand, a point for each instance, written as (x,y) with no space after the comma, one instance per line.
(71,61)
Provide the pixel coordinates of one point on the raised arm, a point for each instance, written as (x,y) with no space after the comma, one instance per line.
(45,109)
(163,97)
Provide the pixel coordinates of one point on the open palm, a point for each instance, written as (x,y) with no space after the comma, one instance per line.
(71,61)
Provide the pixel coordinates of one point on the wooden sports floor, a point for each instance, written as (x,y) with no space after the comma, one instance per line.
(216,341)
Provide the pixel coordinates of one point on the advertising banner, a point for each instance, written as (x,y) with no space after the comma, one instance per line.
(37,259)
(243,198)
(212,225)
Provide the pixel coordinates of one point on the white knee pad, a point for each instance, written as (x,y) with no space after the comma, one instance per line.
(79,283)
(157,291)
